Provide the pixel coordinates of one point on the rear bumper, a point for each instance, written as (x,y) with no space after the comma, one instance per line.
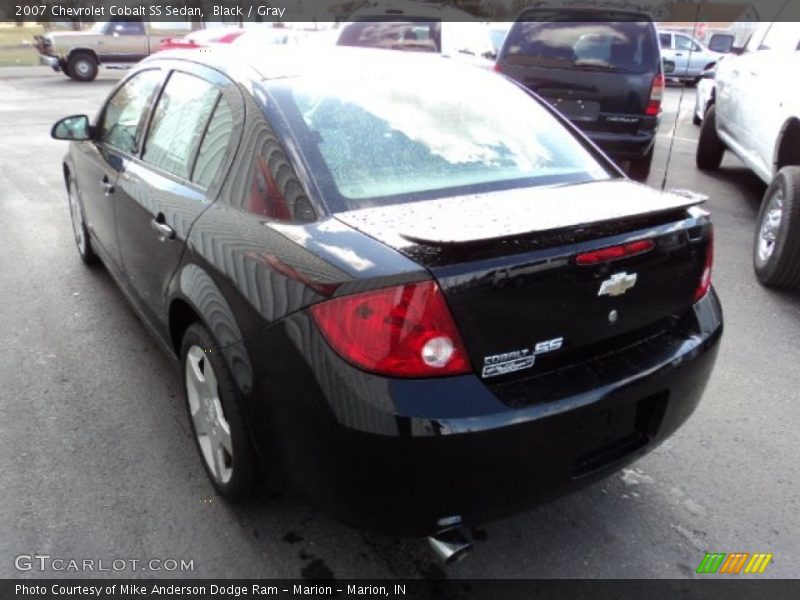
(624,146)
(397,455)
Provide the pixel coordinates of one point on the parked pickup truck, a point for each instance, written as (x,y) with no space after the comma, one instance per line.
(79,54)
(755,113)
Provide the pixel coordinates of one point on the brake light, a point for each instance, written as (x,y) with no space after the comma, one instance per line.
(615,252)
(497,67)
(402,331)
(230,37)
(705,278)
(656,95)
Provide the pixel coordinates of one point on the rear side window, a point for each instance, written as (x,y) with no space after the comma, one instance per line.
(179,122)
(214,145)
(417,36)
(621,46)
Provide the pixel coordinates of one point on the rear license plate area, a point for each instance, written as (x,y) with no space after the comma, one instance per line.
(576,110)
(620,432)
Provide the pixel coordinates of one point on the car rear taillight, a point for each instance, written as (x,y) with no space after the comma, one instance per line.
(401,331)
(705,278)
(614,252)
(229,38)
(497,67)
(656,94)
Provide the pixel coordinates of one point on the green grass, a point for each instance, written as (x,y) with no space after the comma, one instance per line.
(13,50)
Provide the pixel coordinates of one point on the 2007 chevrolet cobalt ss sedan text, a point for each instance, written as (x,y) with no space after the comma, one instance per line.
(398,283)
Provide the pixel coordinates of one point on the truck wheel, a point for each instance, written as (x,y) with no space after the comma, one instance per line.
(776,253)
(82,66)
(709,147)
(639,169)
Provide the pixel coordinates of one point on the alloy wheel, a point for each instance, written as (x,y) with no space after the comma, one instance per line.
(211,427)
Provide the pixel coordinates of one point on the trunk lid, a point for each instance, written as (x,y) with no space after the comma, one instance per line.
(507,264)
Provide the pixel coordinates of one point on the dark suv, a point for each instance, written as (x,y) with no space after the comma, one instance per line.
(600,69)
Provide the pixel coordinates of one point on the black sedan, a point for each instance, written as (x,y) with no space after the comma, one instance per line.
(400,284)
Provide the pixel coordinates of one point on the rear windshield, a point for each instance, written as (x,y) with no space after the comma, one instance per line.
(417,36)
(377,140)
(621,46)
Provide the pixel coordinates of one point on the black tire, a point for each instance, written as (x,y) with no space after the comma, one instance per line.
(696,120)
(690,83)
(777,262)
(83,240)
(241,460)
(639,169)
(82,66)
(709,147)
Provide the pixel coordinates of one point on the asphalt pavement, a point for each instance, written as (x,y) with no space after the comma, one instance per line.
(98,462)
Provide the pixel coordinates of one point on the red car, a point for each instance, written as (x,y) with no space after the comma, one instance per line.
(204,38)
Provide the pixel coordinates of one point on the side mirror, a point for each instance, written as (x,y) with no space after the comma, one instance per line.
(669,66)
(721,42)
(709,74)
(75,128)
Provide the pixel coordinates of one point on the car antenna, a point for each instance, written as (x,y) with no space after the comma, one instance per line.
(680,101)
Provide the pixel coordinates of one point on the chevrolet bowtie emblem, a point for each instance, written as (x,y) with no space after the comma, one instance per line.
(617,284)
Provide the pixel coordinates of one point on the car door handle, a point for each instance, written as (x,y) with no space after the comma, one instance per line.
(679,54)
(165,232)
(108,187)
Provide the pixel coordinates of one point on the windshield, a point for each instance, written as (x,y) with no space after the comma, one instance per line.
(385,139)
(622,46)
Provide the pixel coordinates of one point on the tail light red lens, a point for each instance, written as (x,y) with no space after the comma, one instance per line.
(496,67)
(705,278)
(230,37)
(401,331)
(656,95)
(614,252)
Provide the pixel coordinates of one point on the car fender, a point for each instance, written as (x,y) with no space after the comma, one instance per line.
(192,285)
(84,50)
(790,123)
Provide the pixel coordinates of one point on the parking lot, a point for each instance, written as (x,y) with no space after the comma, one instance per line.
(99,459)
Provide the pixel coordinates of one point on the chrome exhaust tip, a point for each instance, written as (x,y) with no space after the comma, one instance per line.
(450,544)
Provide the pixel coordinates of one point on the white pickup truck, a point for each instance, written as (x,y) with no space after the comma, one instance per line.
(756,114)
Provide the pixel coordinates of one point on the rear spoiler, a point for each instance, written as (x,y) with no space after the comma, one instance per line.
(507,214)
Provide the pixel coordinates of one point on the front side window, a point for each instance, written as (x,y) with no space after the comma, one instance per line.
(783,37)
(122,118)
(664,39)
(178,123)
(684,43)
(384,140)
(128,28)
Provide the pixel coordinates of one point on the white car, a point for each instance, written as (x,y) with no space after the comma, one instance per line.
(690,56)
(756,115)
